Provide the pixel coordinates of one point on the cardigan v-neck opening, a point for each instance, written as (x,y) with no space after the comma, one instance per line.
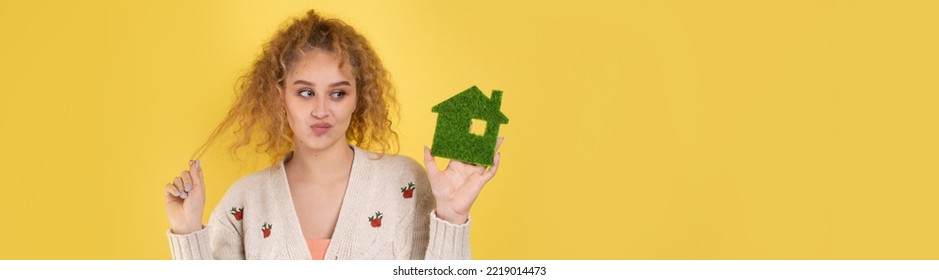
(338,238)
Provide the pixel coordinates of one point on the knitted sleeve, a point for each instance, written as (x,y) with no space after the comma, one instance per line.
(219,240)
(434,238)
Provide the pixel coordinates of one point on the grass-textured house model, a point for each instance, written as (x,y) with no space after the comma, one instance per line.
(454,138)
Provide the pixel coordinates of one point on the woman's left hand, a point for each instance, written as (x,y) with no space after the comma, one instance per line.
(457,187)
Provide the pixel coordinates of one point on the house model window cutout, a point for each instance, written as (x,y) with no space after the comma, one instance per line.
(455,137)
(478,127)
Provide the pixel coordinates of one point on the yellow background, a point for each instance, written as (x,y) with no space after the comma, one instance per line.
(639,130)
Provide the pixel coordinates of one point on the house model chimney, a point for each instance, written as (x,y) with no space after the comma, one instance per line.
(496,98)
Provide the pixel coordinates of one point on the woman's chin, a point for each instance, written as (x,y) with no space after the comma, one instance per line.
(319,144)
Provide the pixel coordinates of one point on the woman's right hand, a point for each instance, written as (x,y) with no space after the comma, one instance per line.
(185,200)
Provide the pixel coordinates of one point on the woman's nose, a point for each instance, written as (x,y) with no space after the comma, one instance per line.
(319,110)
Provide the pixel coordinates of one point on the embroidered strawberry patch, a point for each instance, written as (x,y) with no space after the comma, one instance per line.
(237,212)
(408,192)
(266,229)
(375,220)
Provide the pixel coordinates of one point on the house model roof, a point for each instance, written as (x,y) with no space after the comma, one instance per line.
(474,103)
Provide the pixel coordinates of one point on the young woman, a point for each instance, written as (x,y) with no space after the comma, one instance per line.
(319,99)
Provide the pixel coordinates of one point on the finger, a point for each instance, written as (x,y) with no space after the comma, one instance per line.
(495,167)
(470,168)
(187,180)
(430,163)
(195,170)
(178,183)
(452,163)
(171,190)
(499,142)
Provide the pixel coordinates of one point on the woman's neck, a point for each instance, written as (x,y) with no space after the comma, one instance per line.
(320,167)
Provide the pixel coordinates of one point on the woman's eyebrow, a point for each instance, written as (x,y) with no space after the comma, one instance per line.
(336,84)
(343,83)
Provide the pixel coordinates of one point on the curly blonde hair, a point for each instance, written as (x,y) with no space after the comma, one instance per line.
(259,110)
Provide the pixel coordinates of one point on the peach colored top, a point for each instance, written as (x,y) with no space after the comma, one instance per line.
(317,247)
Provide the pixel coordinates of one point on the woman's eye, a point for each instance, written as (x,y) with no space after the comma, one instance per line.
(306,93)
(338,94)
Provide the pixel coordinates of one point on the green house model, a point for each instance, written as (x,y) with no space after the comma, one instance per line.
(454,137)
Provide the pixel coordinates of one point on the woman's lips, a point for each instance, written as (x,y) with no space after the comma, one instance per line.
(320,129)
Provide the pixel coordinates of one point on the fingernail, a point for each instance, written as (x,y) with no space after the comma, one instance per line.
(184,195)
(188,187)
(198,167)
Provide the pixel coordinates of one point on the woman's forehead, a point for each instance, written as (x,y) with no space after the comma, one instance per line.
(320,65)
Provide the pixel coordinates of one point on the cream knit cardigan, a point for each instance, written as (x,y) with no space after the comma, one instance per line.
(409,227)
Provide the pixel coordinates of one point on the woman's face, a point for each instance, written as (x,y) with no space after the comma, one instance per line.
(320,98)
